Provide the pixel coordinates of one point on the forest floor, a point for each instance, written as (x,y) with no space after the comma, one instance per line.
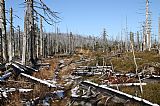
(122,62)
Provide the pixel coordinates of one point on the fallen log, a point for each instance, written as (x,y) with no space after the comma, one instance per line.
(126,84)
(113,92)
(38,80)
(25,67)
(5,76)
(43,65)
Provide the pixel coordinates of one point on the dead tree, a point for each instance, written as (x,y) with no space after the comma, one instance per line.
(29,32)
(131,40)
(148,29)
(41,37)
(1,53)
(159,36)
(138,42)
(49,44)
(126,38)
(3,28)
(19,41)
(45,46)
(69,42)
(13,43)
(104,40)
(31,6)
(10,37)
(37,38)
(73,43)
(144,44)
(31,37)
(24,47)
(135,62)
(57,40)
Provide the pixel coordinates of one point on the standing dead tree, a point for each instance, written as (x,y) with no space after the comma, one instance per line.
(144,46)
(29,26)
(4,42)
(159,36)
(138,42)
(24,48)
(148,24)
(19,42)
(10,41)
(28,31)
(135,62)
(104,40)
(131,40)
(71,43)
(41,37)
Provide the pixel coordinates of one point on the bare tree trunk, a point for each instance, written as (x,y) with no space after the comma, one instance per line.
(81,45)
(104,40)
(30,31)
(24,47)
(69,44)
(32,34)
(131,41)
(144,39)
(37,41)
(73,43)
(126,38)
(10,49)
(138,42)
(1,50)
(41,38)
(49,44)
(19,41)
(13,44)
(45,46)
(159,37)
(57,40)
(134,57)
(3,27)
(148,31)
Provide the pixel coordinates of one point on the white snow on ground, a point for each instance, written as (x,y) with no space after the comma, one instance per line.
(68,83)
(128,84)
(74,91)
(156,76)
(14,89)
(52,81)
(25,90)
(4,94)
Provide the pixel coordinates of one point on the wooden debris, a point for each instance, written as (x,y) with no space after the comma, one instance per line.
(5,76)
(38,80)
(125,96)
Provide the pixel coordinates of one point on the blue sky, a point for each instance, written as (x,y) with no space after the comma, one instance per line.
(89,17)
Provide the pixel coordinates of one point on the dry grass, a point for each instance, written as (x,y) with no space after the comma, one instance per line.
(151,92)
(46,73)
(125,62)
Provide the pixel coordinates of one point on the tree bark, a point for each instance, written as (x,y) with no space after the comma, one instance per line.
(10,40)
(24,47)
(41,38)
(3,27)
